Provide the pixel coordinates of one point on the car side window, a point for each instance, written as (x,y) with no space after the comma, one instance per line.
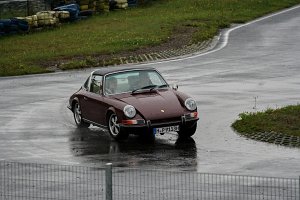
(96,84)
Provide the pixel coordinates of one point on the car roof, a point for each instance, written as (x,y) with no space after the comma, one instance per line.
(107,70)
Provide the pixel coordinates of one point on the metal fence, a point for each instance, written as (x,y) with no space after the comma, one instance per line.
(48,181)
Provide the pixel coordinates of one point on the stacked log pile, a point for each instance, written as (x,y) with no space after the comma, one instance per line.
(102,6)
(118,4)
(69,10)
(122,4)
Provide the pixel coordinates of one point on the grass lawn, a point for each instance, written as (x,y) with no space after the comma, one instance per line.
(124,31)
(284,120)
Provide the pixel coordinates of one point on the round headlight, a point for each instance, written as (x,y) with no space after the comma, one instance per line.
(129,111)
(190,104)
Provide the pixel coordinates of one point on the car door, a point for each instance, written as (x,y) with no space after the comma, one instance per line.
(94,106)
(82,96)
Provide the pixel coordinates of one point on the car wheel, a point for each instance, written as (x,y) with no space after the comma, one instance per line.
(78,118)
(187,132)
(114,128)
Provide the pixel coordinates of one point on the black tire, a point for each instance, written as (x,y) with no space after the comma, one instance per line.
(187,132)
(78,118)
(114,128)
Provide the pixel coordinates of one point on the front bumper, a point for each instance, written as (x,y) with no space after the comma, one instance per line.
(148,127)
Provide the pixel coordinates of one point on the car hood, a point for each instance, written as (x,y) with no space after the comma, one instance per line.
(154,105)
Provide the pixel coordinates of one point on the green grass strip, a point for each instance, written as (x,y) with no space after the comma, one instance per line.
(123,31)
(285,120)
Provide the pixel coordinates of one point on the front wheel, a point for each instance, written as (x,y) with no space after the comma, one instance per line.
(187,132)
(78,117)
(115,129)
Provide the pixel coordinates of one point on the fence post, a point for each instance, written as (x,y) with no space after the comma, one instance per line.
(108,181)
(28,8)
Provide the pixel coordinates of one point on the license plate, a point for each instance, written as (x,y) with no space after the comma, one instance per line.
(163,130)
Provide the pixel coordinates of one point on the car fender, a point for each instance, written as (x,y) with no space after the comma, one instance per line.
(110,110)
(181,97)
(118,112)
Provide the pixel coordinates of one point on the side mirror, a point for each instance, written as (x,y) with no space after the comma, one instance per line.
(175,87)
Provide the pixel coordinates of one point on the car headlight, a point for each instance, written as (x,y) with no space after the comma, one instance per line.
(129,111)
(190,104)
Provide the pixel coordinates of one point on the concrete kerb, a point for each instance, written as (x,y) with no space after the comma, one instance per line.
(274,138)
(170,54)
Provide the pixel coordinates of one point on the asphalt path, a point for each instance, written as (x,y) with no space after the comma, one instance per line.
(252,68)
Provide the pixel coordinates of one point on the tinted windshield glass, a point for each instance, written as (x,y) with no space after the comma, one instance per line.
(132,80)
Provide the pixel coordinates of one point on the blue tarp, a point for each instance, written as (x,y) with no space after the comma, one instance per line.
(136,2)
(73,9)
(132,2)
(13,26)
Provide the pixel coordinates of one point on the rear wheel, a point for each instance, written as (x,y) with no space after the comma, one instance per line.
(78,117)
(115,129)
(187,132)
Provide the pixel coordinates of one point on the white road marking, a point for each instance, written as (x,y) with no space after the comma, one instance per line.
(224,36)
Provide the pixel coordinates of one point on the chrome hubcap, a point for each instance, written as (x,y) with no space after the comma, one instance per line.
(114,127)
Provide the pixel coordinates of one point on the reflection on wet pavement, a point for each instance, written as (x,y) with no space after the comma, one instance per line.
(96,146)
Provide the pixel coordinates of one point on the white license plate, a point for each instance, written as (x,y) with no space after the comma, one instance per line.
(163,130)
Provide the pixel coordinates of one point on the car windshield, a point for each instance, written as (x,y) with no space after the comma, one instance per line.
(133,81)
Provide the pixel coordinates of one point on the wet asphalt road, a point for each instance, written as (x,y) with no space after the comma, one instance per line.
(260,61)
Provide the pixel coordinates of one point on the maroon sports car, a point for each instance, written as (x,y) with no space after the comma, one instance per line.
(133,101)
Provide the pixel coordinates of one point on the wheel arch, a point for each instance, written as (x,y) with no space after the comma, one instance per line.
(109,111)
(73,103)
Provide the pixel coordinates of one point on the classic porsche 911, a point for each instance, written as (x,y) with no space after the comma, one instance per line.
(133,101)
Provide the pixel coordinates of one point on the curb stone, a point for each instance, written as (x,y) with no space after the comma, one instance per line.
(185,51)
(167,54)
(274,138)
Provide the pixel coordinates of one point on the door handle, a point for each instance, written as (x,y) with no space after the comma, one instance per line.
(84,98)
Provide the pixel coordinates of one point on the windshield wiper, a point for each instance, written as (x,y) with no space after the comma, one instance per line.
(161,86)
(164,85)
(151,87)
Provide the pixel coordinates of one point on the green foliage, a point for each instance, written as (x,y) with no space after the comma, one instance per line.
(284,120)
(121,31)
(88,63)
(79,64)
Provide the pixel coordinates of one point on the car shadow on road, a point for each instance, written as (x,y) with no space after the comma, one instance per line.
(97,147)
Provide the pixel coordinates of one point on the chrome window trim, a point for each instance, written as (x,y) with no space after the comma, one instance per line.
(90,81)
